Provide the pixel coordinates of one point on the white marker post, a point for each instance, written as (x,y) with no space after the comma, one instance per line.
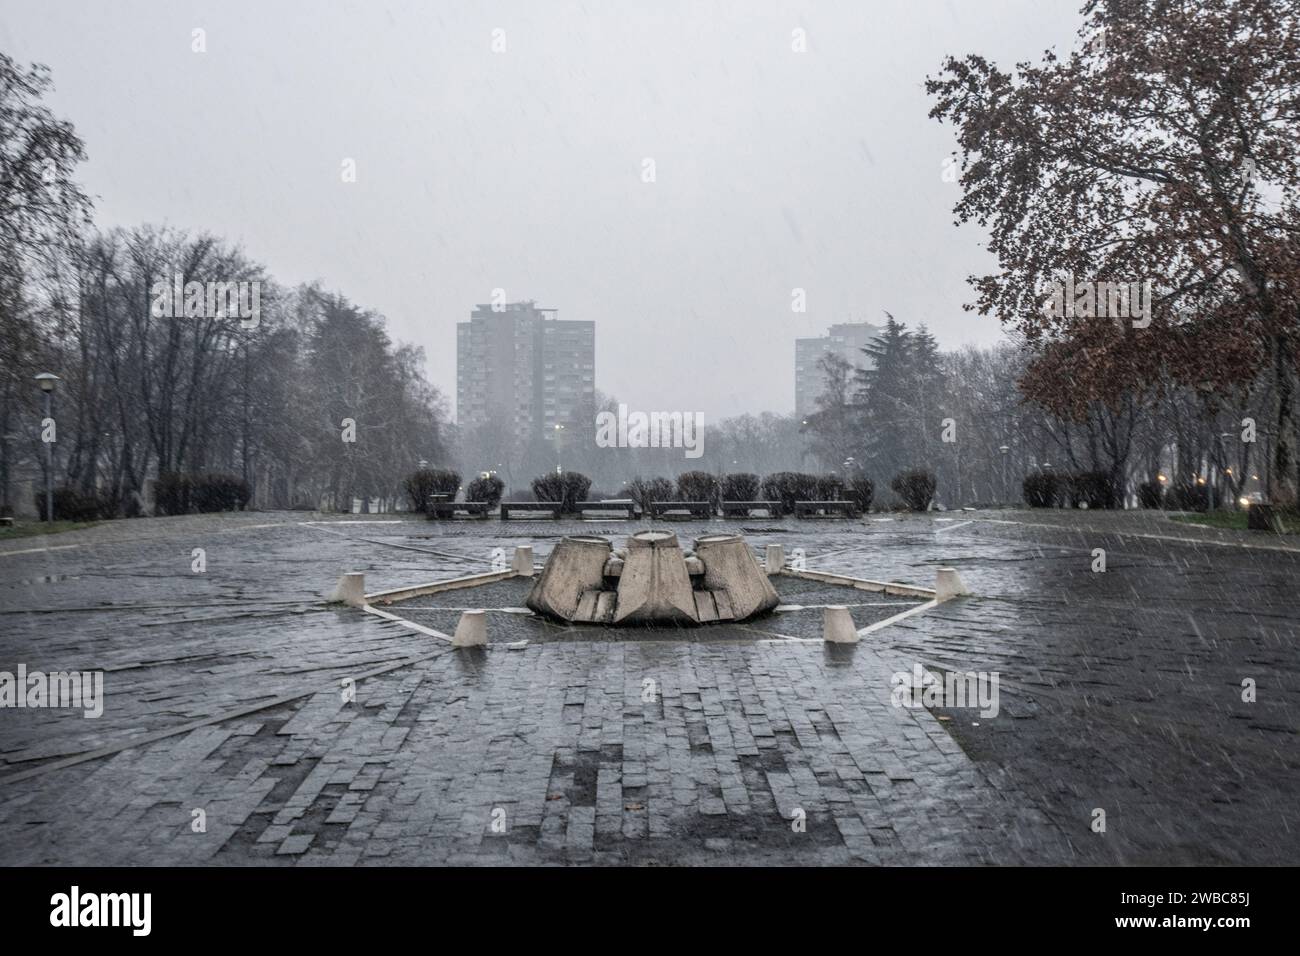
(351,590)
(948,584)
(471,630)
(837,626)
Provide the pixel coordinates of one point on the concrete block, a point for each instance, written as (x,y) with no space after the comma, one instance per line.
(523,561)
(730,567)
(471,629)
(605,606)
(948,584)
(587,606)
(706,608)
(576,565)
(654,586)
(775,558)
(351,590)
(838,627)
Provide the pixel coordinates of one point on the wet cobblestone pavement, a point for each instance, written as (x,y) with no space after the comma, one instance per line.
(1120,691)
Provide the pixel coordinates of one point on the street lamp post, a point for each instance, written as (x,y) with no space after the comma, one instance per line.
(47,381)
(1006,488)
(559,465)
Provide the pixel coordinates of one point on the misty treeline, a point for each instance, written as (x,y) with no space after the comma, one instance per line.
(963,416)
(761,444)
(309,401)
(314,405)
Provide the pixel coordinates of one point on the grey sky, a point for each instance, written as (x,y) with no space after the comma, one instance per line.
(522,170)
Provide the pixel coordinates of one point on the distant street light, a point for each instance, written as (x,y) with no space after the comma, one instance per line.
(47,381)
(559,468)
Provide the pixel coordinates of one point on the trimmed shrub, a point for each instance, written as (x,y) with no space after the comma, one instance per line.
(788,487)
(697,486)
(1042,489)
(177,494)
(860,491)
(1186,496)
(423,482)
(1093,488)
(830,488)
(1150,494)
(487,489)
(568,488)
(915,487)
(741,486)
(210,493)
(172,494)
(548,487)
(645,490)
(71,505)
(577,487)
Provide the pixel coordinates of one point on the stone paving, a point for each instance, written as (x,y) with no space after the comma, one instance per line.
(1119,690)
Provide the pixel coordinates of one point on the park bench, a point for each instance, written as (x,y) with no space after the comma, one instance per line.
(694,509)
(741,509)
(844,509)
(447,509)
(552,507)
(624,505)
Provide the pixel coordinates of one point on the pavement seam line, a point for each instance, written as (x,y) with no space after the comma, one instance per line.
(158,735)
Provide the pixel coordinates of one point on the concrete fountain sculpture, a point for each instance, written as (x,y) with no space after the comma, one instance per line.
(652,581)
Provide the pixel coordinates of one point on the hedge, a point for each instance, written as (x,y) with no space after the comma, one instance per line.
(916,488)
(423,482)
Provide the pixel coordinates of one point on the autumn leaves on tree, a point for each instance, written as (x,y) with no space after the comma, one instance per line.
(1165,148)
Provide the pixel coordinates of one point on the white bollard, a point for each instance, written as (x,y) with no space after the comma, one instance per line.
(471,630)
(837,626)
(351,590)
(775,558)
(523,562)
(948,584)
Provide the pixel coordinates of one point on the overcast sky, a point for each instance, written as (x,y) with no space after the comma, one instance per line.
(523,169)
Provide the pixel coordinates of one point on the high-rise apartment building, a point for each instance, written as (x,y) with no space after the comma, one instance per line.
(847,340)
(523,368)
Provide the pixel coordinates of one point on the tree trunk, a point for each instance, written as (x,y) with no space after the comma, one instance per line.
(1282,487)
